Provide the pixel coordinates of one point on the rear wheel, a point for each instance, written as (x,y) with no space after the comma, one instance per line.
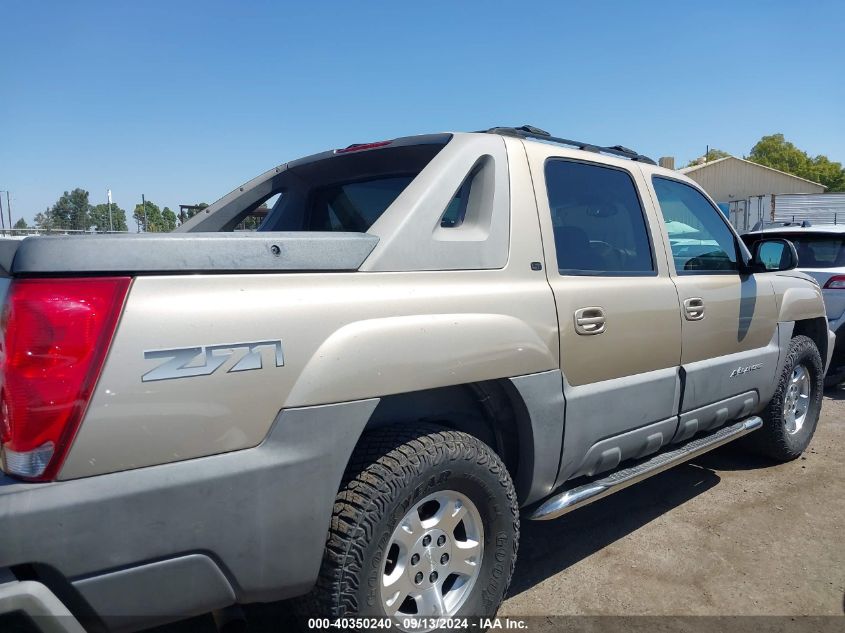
(425,525)
(434,557)
(790,419)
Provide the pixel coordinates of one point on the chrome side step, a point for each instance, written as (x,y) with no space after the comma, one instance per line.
(568,500)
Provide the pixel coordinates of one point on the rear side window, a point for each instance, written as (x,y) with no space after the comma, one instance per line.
(699,236)
(598,221)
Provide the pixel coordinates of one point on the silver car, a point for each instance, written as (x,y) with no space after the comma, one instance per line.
(821,254)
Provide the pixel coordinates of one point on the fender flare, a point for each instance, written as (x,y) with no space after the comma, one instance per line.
(384,356)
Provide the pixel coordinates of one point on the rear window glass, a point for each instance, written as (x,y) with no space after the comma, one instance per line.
(345,192)
(814,251)
(353,206)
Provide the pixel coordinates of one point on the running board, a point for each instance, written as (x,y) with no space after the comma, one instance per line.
(568,500)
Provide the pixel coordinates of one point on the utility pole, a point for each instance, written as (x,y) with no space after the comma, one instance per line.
(111,224)
(9,207)
(144,203)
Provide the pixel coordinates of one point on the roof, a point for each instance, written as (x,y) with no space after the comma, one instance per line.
(687,170)
(817,228)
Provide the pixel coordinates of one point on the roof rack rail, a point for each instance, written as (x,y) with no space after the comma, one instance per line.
(529,131)
(760,225)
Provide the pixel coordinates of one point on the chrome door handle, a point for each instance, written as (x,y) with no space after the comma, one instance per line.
(694,308)
(590,320)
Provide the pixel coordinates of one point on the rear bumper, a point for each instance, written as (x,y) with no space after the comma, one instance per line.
(38,603)
(166,542)
(836,351)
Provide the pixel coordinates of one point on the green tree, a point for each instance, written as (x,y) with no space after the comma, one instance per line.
(21,224)
(99,218)
(71,211)
(44,221)
(168,220)
(187,214)
(775,151)
(829,173)
(199,207)
(148,217)
(711,155)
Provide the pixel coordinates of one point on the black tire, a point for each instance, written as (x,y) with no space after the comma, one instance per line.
(392,469)
(773,440)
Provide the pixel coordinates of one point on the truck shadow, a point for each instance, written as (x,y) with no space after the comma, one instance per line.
(546,547)
(835,393)
(550,547)
(734,457)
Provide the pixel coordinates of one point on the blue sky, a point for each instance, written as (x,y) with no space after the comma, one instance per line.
(184,101)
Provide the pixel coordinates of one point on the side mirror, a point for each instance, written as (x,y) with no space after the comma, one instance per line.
(773,255)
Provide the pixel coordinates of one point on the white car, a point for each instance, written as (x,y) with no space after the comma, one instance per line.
(821,254)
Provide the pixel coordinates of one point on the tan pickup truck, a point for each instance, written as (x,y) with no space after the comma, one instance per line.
(425,340)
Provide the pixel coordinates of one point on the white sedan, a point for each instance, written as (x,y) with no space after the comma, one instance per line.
(821,253)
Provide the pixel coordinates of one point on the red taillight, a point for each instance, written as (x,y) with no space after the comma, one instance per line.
(837,282)
(362,146)
(55,335)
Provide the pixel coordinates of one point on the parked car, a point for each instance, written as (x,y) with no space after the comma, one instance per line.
(427,339)
(821,254)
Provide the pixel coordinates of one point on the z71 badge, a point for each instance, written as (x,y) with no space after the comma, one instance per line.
(187,362)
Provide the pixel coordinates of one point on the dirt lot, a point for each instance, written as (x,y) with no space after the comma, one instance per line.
(723,535)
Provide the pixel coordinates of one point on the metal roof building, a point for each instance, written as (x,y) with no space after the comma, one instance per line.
(732,178)
(746,191)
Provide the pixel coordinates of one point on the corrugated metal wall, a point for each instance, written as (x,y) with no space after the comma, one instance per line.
(734,179)
(824,208)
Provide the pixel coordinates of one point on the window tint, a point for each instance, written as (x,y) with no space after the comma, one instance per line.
(342,192)
(598,221)
(819,252)
(456,211)
(814,251)
(353,206)
(700,239)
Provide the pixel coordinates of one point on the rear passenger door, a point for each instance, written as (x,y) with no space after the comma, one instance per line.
(618,312)
(729,317)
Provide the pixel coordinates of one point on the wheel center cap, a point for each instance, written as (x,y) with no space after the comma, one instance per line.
(434,550)
(429,557)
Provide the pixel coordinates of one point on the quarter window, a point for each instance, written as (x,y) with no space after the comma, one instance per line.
(700,239)
(598,221)
(456,211)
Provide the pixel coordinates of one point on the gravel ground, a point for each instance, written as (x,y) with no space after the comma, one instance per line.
(724,535)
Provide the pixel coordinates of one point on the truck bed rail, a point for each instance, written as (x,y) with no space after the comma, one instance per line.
(182,253)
